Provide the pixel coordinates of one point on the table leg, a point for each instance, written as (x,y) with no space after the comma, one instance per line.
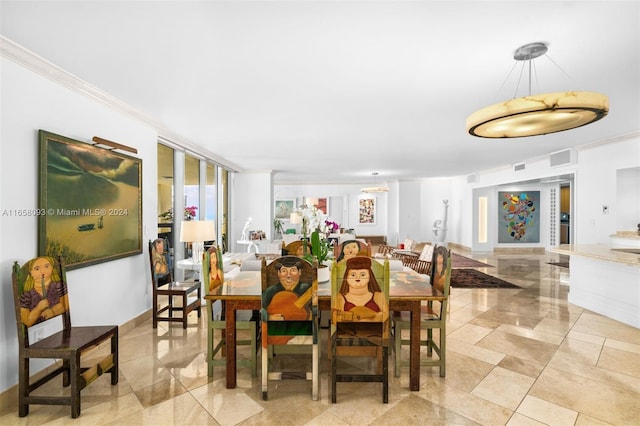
(230,318)
(414,348)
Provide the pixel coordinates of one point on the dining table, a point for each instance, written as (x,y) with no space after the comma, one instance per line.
(407,291)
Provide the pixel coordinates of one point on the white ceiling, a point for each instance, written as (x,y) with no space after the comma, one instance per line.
(331,91)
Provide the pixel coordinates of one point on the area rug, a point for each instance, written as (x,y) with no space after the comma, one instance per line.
(459,261)
(472,278)
(563,264)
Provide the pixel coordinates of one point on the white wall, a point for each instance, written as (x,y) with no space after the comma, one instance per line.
(251,198)
(349,196)
(108,293)
(628,199)
(596,186)
(604,174)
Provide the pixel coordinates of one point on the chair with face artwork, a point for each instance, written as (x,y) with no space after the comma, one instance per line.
(178,299)
(433,316)
(297,248)
(351,248)
(289,318)
(41,297)
(213,277)
(360,321)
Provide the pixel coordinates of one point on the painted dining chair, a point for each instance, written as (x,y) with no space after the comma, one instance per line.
(360,320)
(433,316)
(289,317)
(172,301)
(213,278)
(41,303)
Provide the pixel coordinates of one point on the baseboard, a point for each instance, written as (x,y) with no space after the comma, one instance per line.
(9,397)
(458,246)
(517,250)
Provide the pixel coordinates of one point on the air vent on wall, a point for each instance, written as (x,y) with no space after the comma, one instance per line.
(518,167)
(563,158)
(472,178)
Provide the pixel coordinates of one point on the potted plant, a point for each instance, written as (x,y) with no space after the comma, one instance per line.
(321,250)
(278,226)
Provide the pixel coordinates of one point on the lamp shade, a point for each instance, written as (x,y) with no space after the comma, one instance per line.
(295,218)
(197,230)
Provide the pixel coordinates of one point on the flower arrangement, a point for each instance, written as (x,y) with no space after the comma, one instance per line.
(331,227)
(316,222)
(190,212)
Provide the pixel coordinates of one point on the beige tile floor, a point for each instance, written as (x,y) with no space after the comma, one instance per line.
(515,357)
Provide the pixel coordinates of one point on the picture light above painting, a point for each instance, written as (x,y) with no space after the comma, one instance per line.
(91,202)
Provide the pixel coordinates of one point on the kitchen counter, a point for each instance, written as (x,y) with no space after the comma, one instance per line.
(603,280)
(599,251)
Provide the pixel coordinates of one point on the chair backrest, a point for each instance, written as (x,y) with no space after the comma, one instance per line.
(351,301)
(212,268)
(289,288)
(40,294)
(385,250)
(441,269)
(409,244)
(426,253)
(296,248)
(159,260)
(351,248)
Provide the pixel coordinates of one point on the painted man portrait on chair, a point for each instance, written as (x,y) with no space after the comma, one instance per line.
(289,298)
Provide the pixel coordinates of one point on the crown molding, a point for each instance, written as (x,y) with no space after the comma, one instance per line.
(37,64)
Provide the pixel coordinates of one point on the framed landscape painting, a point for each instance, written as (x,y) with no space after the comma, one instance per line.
(91,202)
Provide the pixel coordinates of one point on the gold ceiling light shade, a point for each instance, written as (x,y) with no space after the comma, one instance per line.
(536,115)
(375,187)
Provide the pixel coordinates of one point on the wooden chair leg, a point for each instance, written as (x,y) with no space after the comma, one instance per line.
(116,363)
(265,373)
(74,367)
(443,352)
(23,386)
(334,368)
(254,349)
(184,310)
(385,372)
(397,346)
(315,383)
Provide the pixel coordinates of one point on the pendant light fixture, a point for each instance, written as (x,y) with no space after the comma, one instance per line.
(536,115)
(375,187)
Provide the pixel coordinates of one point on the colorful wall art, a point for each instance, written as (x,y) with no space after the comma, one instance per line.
(518,217)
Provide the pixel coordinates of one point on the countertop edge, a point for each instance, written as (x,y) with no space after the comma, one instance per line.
(597,251)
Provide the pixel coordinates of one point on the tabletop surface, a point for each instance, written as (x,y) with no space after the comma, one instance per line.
(248,285)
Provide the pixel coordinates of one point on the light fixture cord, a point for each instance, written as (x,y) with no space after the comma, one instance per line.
(504,82)
(564,72)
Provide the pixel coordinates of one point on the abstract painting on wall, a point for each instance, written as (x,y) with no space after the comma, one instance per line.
(518,217)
